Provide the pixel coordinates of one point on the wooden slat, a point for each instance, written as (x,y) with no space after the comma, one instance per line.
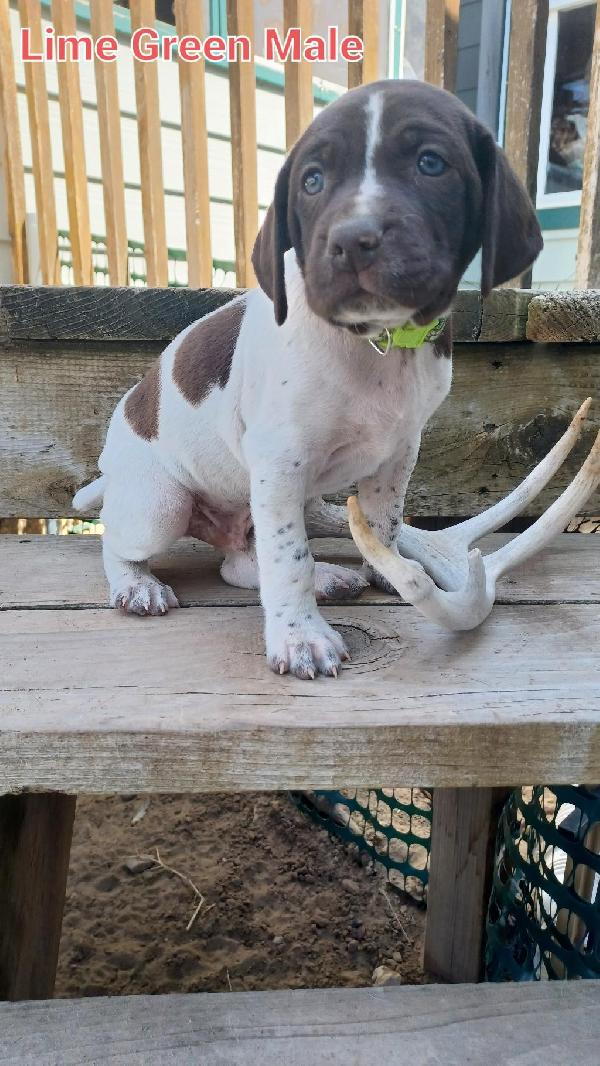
(496,1024)
(102,314)
(461,863)
(507,406)
(41,571)
(35,841)
(93,701)
(489,73)
(588,248)
(441,43)
(242,105)
(527,52)
(148,113)
(145,314)
(111,156)
(363,22)
(298,76)
(12,157)
(189,20)
(71,114)
(41,148)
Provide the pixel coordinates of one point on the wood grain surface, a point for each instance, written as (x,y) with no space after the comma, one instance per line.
(508,405)
(93,701)
(41,571)
(500,1025)
(146,314)
(35,842)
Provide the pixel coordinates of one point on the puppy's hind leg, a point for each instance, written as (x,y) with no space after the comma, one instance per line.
(141,518)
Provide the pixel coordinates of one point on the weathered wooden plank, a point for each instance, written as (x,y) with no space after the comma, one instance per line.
(504,315)
(507,406)
(194,140)
(35,841)
(299,106)
(92,701)
(489,74)
(12,160)
(71,115)
(103,313)
(460,875)
(41,147)
(242,107)
(564,317)
(363,22)
(34,313)
(441,43)
(111,155)
(527,52)
(148,114)
(56,572)
(501,1025)
(588,247)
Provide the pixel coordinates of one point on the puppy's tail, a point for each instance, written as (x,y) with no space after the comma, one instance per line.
(90,496)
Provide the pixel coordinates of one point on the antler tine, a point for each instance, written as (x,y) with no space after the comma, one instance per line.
(513,504)
(464,608)
(552,522)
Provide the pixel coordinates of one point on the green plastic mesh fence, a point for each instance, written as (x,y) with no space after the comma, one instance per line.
(544,913)
(392,826)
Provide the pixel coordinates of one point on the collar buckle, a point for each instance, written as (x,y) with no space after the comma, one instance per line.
(385,337)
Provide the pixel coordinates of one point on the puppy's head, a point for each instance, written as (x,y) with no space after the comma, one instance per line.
(386,198)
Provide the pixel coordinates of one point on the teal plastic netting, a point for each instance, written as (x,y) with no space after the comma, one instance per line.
(544,912)
(392,827)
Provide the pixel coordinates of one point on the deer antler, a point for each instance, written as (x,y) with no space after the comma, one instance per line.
(439,573)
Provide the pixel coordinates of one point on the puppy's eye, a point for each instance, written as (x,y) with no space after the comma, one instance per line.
(313,181)
(431,164)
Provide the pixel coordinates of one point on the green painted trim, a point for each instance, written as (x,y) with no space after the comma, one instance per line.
(217,17)
(553,218)
(399,16)
(266,77)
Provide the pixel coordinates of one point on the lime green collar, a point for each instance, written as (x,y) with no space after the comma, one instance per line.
(407,336)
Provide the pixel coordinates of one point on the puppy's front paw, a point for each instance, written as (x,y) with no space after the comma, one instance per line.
(144,596)
(334,582)
(305,649)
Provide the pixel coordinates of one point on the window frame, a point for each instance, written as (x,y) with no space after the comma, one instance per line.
(553,199)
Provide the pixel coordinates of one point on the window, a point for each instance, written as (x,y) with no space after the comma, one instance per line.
(565,102)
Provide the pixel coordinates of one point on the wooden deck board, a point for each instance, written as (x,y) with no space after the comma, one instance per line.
(56,572)
(92,701)
(501,1025)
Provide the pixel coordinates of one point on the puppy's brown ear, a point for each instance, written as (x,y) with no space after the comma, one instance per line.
(271,244)
(511,235)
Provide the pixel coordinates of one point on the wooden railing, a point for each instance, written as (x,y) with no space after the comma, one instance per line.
(523,107)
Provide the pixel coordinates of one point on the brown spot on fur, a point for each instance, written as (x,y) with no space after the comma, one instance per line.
(203,359)
(443,345)
(141,406)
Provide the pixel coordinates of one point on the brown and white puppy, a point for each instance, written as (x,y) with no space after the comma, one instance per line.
(255,411)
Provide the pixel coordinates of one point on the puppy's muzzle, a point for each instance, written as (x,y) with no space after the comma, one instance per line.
(353,244)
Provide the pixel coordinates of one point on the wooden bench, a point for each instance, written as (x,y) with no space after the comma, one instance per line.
(93,702)
(500,1025)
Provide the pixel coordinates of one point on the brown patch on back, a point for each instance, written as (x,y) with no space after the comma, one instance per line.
(203,359)
(443,344)
(141,406)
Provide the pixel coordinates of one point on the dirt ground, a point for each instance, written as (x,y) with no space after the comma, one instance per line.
(285,905)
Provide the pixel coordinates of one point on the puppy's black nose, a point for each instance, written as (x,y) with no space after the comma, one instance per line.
(353,244)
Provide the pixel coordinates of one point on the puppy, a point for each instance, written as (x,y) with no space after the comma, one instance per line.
(284,394)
